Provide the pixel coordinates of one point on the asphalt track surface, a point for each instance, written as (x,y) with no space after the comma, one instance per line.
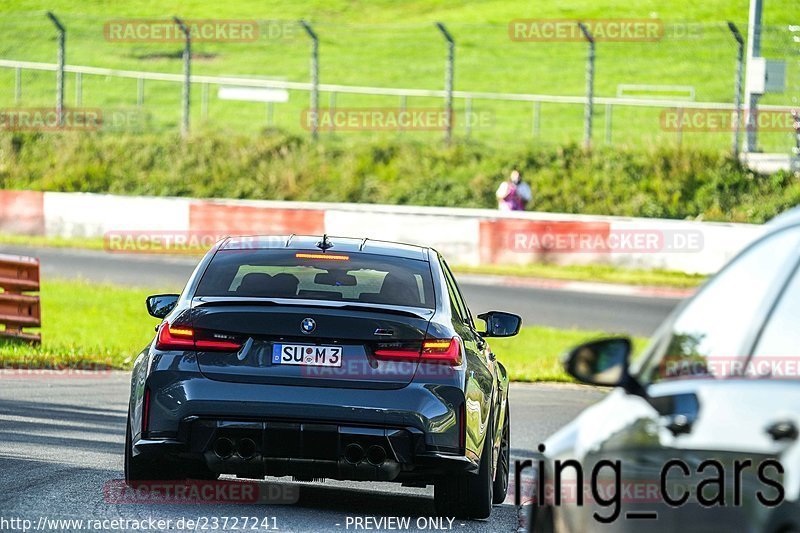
(634,315)
(61,445)
(61,436)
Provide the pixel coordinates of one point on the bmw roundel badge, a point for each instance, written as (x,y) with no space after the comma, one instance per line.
(308,325)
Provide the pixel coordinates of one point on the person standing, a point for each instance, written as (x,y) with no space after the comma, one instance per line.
(513,194)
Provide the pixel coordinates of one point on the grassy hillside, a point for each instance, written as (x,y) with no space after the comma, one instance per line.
(395,44)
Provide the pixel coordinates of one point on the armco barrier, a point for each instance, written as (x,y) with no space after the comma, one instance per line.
(499,242)
(22,212)
(92,215)
(239,219)
(465,236)
(19,274)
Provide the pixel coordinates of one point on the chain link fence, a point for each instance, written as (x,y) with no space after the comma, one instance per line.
(509,88)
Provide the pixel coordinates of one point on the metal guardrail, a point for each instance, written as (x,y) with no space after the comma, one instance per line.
(19,274)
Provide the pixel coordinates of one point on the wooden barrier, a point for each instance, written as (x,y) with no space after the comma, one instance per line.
(18,275)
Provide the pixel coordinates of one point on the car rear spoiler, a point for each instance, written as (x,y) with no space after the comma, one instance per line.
(208,301)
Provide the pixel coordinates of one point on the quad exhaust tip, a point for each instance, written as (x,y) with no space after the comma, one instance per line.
(353,453)
(376,455)
(246,448)
(223,448)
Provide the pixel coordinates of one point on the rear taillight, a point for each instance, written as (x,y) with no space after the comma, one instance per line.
(185,338)
(220,344)
(399,351)
(447,351)
(442,351)
(174,337)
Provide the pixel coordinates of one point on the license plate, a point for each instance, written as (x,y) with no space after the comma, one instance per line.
(305,355)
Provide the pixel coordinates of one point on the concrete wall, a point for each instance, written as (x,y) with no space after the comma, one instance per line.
(465,236)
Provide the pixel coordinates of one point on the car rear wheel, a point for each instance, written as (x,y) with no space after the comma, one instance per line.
(467,495)
(500,486)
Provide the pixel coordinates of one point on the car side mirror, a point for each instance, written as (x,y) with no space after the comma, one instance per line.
(501,324)
(160,305)
(602,362)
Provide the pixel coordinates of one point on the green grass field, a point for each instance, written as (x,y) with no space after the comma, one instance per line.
(86,325)
(535,354)
(395,44)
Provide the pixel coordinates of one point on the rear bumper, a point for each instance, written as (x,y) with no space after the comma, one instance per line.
(254,430)
(306,450)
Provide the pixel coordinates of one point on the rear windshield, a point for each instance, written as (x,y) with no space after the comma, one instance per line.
(311,274)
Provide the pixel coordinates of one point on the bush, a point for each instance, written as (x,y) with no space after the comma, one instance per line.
(658,182)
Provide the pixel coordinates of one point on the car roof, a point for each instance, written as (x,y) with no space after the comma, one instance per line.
(340,244)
